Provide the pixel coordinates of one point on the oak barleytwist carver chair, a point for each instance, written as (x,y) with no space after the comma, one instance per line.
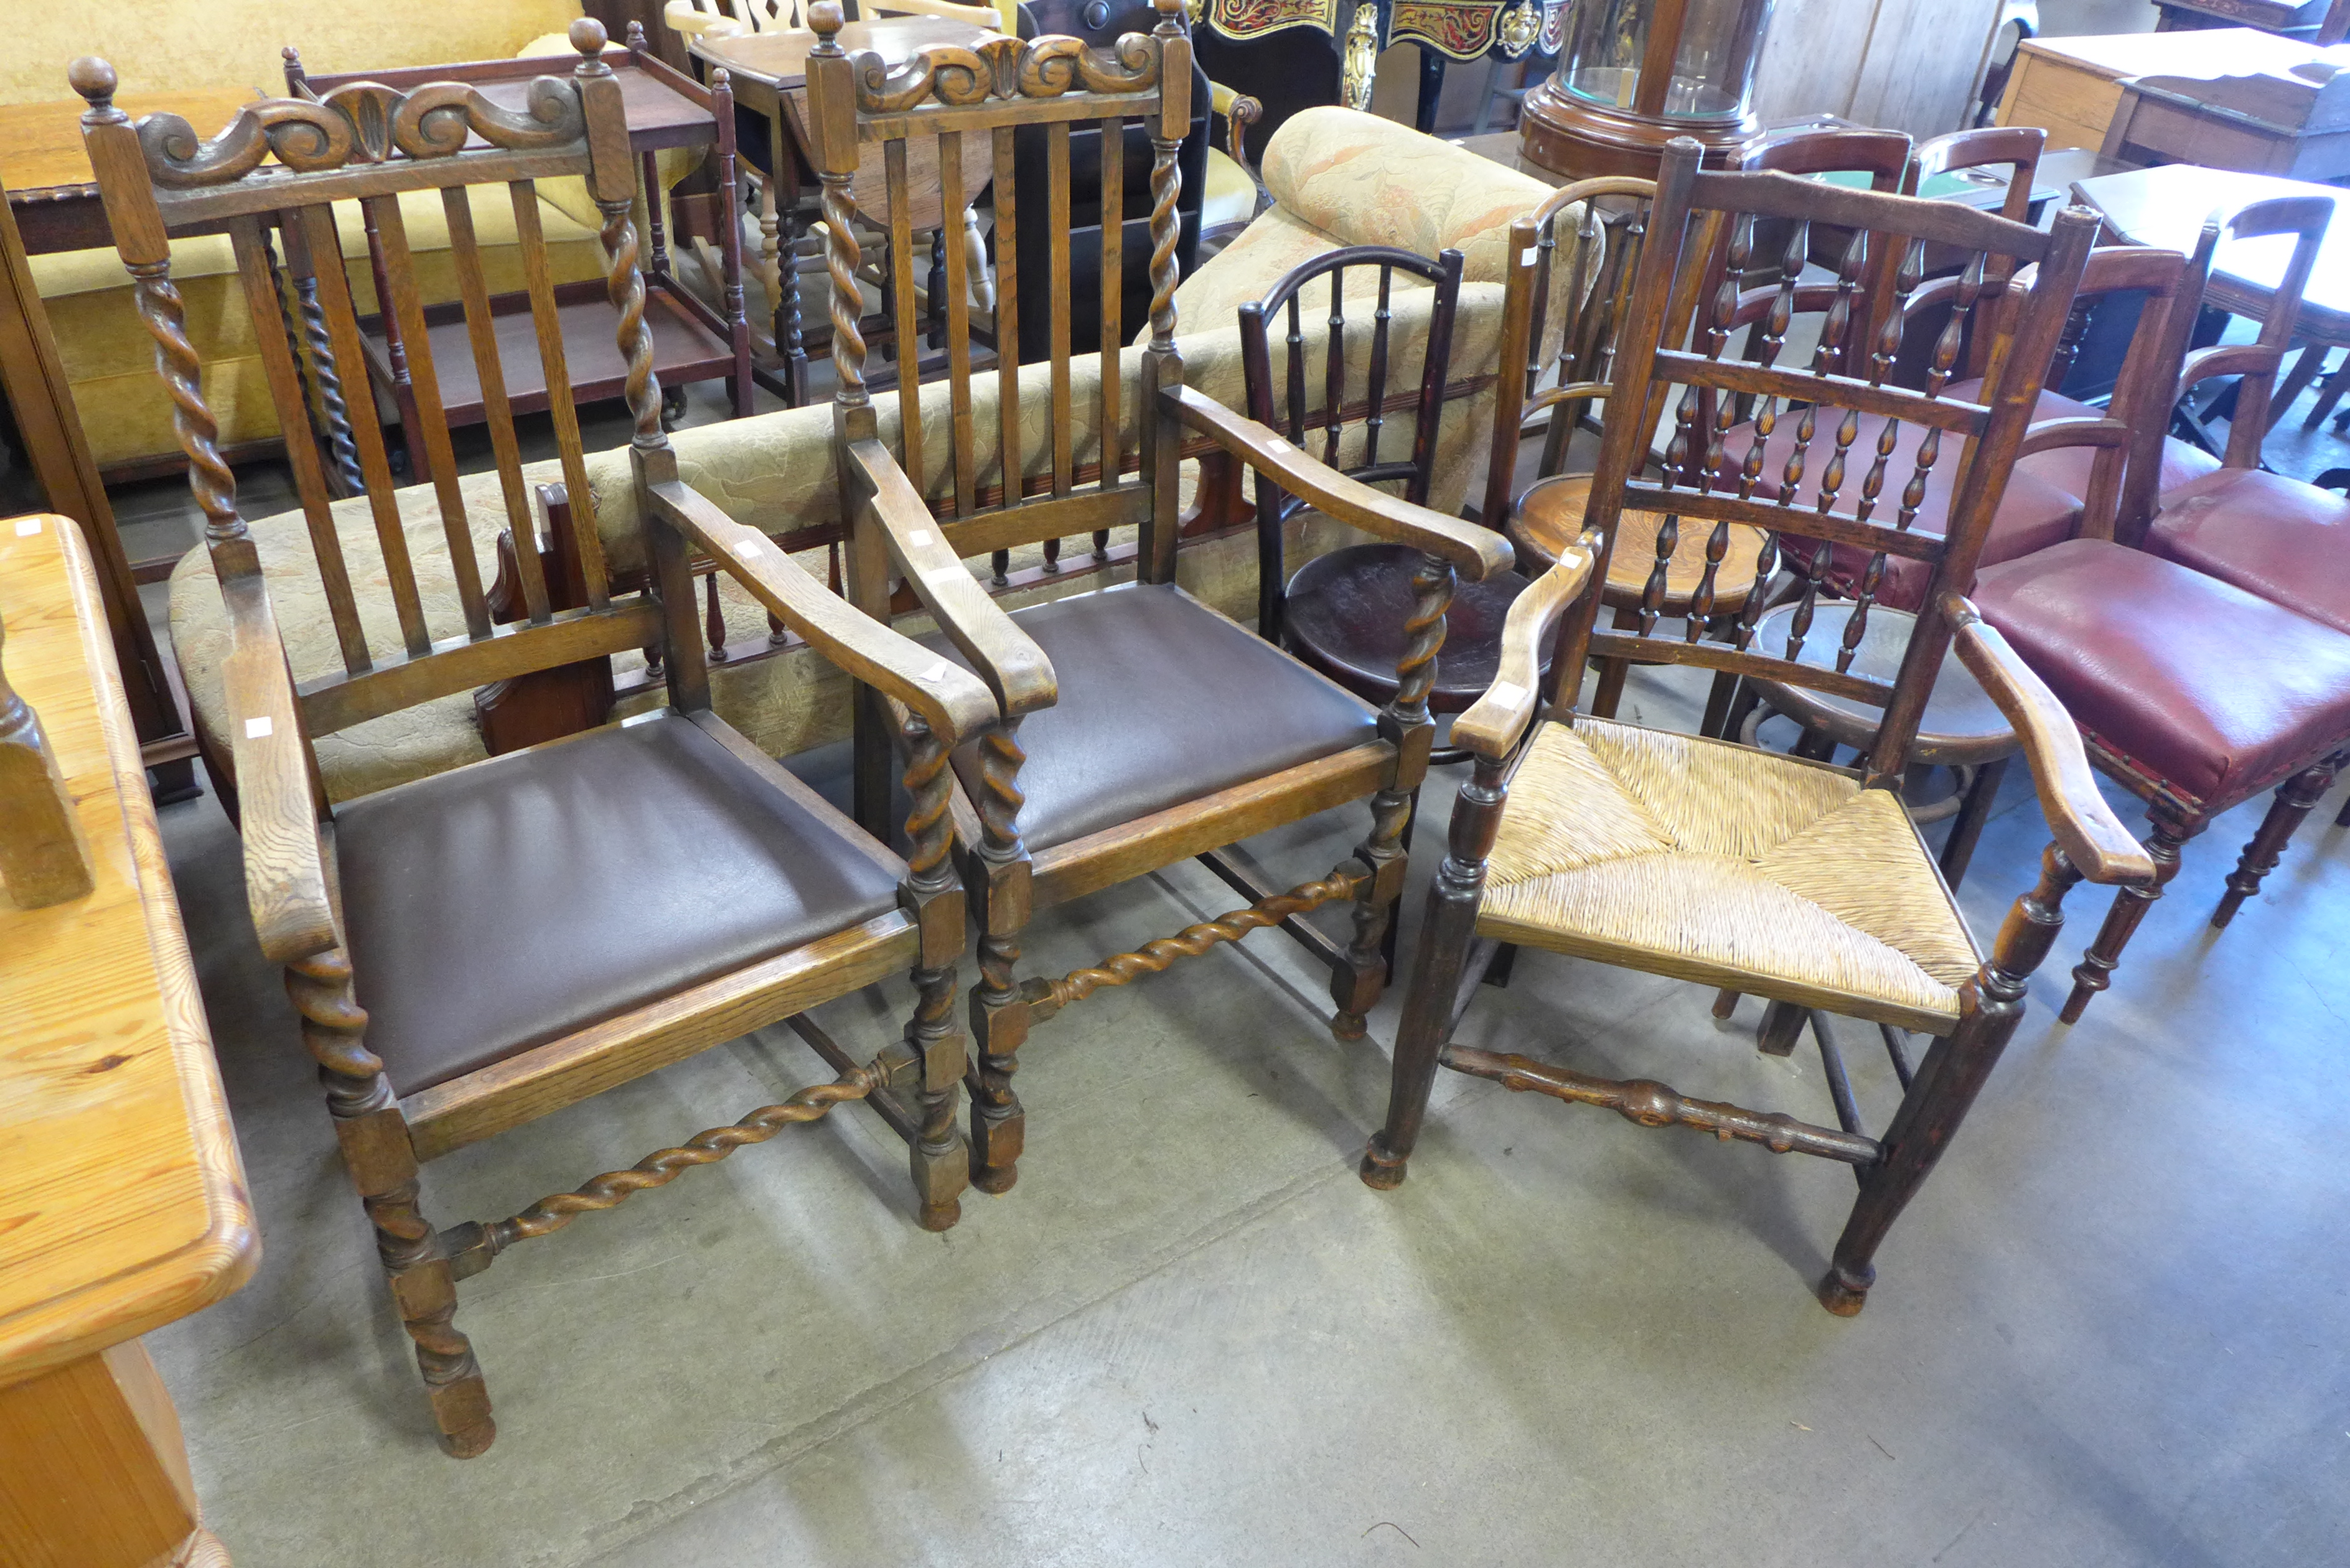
(2195,688)
(490,944)
(1140,728)
(1735,867)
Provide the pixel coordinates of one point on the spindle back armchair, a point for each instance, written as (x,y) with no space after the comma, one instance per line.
(1138,727)
(484,946)
(1719,863)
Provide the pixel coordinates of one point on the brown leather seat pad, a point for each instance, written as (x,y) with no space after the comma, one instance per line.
(1346,613)
(2214,691)
(2032,514)
(506,904)
(1163,701)
(2285,541)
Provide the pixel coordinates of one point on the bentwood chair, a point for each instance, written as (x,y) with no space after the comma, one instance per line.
(1728,866)
(1140,728)
(487,945)
(2195,690)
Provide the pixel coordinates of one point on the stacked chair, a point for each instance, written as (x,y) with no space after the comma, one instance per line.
(2195,630)
(1715,863)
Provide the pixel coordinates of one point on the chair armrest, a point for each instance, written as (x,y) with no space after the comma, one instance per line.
(2072,429)
(1240,111)
(2228,359)
(1496,721)
(1476,551)
(1011,663)
(949,699)
(284,874)
(684,18)
(2091,837)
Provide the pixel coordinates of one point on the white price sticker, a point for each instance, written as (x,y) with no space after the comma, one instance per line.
(921,539)
(1507,692)
(936,672)
(27,527)
(258,729)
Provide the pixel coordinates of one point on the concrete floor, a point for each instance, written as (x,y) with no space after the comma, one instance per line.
(2109,1331)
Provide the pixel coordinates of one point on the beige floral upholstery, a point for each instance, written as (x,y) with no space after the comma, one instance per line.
(1337,178)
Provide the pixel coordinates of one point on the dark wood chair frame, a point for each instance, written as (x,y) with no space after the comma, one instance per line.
(1058,82)
(367,142)
(1451,957)
(721,341)
(1275,507)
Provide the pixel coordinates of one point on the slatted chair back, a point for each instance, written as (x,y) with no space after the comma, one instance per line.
(695,16)
(1706,482)
(1881,157)
(944,94)
(1286,407)
(1588,270)
(284,162)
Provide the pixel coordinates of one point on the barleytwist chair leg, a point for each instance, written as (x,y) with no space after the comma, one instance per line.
(1356,986)
(999,1126)
(1946,1085)
(382,1163)
(2293,800)
(2095,973)
(940,1162)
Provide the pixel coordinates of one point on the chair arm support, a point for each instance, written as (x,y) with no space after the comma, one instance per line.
(949,699)
(2228,359)
(1497,721)
(1240,111)
(2074,429)
(1011,663)
(1477,553)
(284,874)
(2091,837)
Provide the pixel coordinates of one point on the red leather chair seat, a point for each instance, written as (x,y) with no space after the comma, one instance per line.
(1163,701)
(2287,542)
(2215,691)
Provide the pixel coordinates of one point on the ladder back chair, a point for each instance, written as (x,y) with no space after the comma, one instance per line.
(1718,864)
(2182,638)
(1140,728)
(482,947)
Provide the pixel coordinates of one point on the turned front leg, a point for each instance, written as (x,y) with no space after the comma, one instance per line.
(2095,973)
(1945,1087)
(2293,800)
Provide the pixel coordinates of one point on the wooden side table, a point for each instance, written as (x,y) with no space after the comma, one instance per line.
(123,1198)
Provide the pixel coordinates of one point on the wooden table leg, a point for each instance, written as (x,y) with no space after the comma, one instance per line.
(93,1472)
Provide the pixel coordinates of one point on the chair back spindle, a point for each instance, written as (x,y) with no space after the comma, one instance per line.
(1859,441)
(1289,412)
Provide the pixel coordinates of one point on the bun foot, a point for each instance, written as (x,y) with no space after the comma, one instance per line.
(1348,1025)
(471,1443)
(1380,1168)
(941,1216)
(1845,1294)
(992,1179)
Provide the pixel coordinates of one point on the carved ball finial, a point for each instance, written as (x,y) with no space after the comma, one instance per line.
(635,35)
(94,80)
(1170,16)
(587,37)
(825,18)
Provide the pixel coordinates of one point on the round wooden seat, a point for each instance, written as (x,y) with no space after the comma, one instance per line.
(1961,726)
(1344,614)
(1549,518)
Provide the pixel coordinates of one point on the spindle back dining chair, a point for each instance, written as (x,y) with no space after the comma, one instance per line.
(1716,863)
(484,946)
(1140,728)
